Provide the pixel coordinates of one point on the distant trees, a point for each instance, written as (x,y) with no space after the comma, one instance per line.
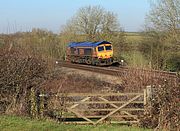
(162,41)
(39,42)
(165,17)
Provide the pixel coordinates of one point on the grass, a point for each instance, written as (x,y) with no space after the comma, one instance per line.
(135,58)
(134,38)
(14,123)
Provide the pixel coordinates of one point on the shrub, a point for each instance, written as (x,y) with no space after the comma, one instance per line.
(164,110)
(19,72)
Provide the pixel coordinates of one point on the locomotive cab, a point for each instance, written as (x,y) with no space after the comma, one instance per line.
(105,54)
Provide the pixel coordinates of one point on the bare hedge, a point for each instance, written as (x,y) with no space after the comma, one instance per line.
(19,71)
(164,111)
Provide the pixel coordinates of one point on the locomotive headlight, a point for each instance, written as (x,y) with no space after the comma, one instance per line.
(100,56)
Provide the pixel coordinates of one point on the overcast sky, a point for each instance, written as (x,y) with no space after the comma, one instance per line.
(23,15)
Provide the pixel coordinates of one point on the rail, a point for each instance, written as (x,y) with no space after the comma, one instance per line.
(116,71)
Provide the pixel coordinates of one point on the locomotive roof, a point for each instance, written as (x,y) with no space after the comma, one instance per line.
(87,44)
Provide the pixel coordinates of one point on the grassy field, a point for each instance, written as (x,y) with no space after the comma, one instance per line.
(132,55)
(14,123)
(133,38)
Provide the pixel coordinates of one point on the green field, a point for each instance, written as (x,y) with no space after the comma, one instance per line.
(14,123)
(132,55)
(133,37)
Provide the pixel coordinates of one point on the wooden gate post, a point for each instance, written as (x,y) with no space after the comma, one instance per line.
(41,105)
(145,97)
(148,95)
(33,108)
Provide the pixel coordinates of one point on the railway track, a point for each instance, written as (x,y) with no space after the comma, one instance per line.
(118,71)
(102,70)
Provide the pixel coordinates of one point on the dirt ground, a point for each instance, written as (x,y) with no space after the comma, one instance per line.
(74,80)
(101,77)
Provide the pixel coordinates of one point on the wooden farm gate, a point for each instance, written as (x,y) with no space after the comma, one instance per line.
(94,108)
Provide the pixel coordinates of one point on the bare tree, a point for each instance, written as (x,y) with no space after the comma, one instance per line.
(164,16)
(162,41)
(93,21)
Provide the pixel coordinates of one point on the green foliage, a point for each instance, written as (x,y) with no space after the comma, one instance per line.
(160,50)
(1,43)
(13,123)
(134,58)
(173,62)
(154,49)
(130,51)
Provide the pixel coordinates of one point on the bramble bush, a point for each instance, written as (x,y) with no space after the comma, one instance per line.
(19,72)
(163,114)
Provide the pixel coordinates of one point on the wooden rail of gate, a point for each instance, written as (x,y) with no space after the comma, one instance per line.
(89,108)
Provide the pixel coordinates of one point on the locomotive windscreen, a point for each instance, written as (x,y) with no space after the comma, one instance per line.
(108,47)
(101,48)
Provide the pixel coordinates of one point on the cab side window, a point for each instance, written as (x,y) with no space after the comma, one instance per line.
(73,50)
(101,48)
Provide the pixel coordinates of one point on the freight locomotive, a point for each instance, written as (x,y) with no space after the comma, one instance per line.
(94,53)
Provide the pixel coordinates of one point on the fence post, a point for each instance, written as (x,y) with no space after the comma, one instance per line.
(149,94)
(33,108)
(145,97)
(41,105)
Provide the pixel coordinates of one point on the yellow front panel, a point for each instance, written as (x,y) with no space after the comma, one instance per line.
(105,53)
